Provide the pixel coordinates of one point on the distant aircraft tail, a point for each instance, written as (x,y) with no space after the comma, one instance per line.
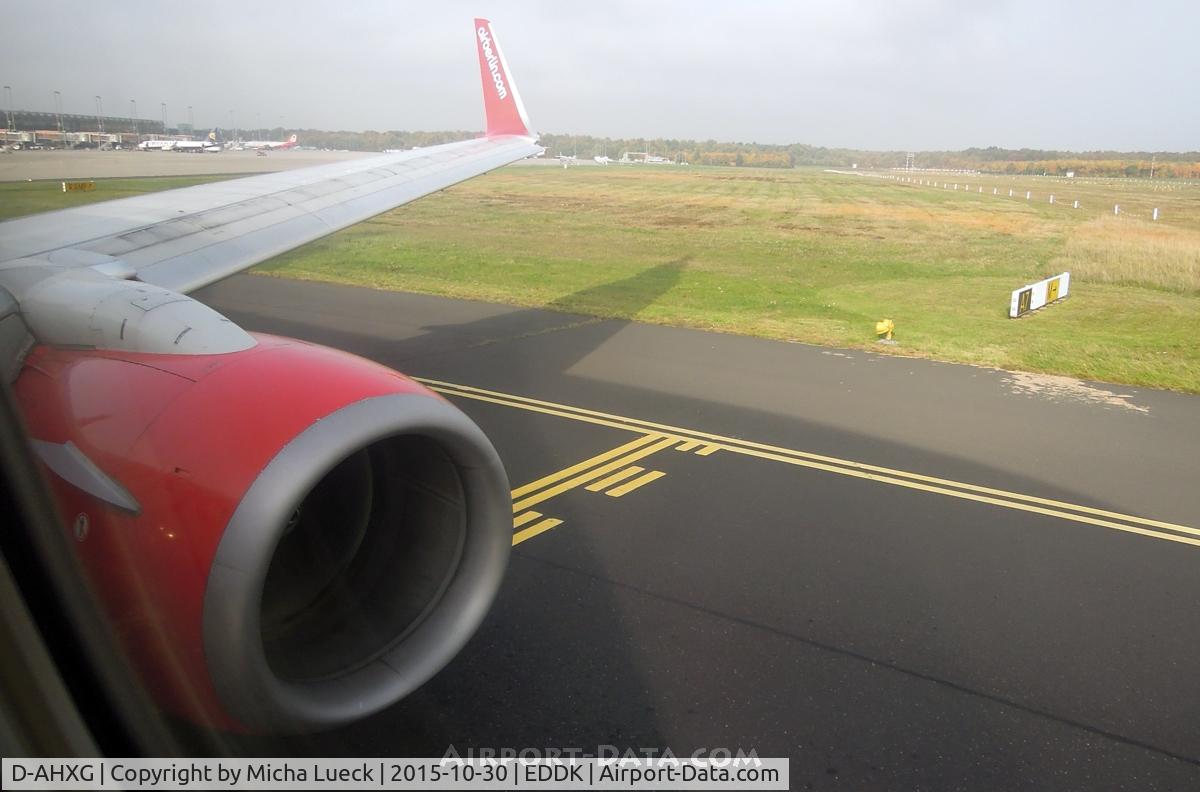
(212,136)
(290,142)
(501,102)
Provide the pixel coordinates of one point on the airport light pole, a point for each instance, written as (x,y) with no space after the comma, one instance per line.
(133,115)
(99,120)
(164,115)
(191,121)
(8,108)
(62,132)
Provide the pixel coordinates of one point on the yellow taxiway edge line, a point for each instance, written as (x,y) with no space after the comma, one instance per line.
(640,481)
(759,449)
(620,475)
(534,530)
(583,478)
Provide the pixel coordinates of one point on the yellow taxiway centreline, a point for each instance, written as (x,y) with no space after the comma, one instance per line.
(997,497)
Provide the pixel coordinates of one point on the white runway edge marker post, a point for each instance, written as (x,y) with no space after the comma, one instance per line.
(1038,295)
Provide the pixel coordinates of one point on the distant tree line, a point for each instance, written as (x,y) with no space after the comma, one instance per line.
(1141,168)
(369,140)
(1179,165)
(1165,164)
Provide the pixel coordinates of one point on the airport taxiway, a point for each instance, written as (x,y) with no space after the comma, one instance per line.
(896,572)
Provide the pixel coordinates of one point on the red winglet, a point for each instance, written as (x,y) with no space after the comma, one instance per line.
(501,102)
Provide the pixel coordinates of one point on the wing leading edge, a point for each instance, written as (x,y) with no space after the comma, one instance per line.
(183,239)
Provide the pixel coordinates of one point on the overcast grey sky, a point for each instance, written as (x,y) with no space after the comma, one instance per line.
(878,75)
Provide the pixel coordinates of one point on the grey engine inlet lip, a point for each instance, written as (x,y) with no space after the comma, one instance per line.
(238,666)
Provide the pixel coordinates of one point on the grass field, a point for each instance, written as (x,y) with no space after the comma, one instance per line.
(801,255)
(22,198)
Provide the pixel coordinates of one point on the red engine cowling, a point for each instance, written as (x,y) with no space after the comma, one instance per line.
(310,536)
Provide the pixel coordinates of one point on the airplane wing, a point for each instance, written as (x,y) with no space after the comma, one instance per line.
(286,537)
(184,239)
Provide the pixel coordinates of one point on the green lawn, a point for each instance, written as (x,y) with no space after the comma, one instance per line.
(22,198)
(799,255)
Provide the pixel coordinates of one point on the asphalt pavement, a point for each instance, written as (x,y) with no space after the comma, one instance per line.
(898,573)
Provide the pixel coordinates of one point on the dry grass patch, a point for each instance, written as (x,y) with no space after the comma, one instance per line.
(1000,222)
(1126,250)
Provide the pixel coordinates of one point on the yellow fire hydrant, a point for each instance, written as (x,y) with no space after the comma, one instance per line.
(884,327)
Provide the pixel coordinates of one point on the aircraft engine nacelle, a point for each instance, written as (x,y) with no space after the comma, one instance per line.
(286,537)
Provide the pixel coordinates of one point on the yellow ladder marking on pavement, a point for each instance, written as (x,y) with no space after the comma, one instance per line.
(545,481)
(844,467)
(640,481)
(708,450)
(688,446)
(534,530)
(620,475)
(528,516)
(594,473)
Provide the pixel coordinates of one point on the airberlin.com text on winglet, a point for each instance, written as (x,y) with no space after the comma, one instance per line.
(493,62)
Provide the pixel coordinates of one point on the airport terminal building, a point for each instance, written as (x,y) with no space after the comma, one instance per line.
(26,128)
